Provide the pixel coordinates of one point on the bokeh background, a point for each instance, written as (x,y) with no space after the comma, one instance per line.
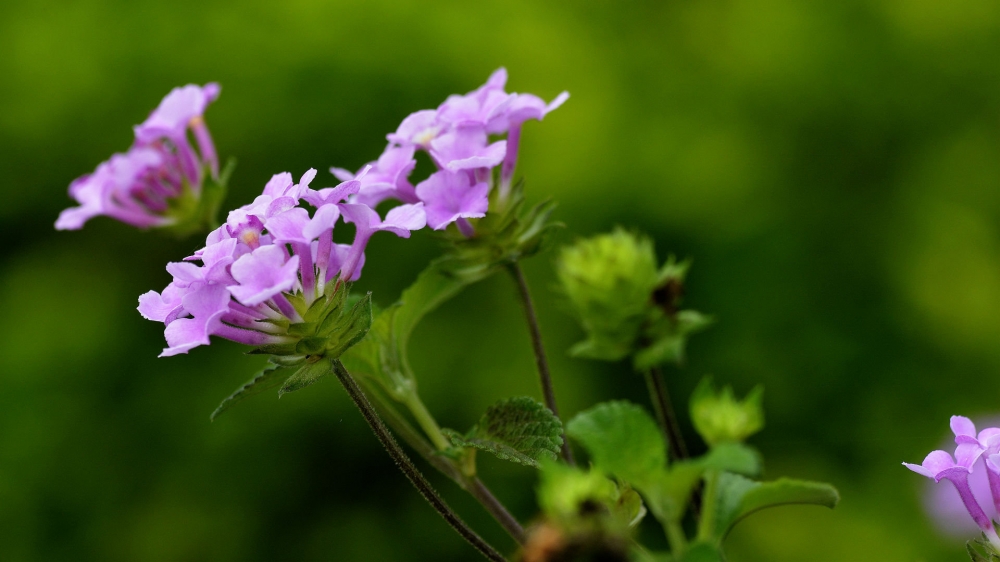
(831,166)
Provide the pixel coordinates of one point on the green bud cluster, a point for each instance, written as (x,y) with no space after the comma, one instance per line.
(627,305)
(720,418)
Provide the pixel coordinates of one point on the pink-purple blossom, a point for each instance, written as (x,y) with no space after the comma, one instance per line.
(263,268)
(460,138)
(971,451)
(137,187)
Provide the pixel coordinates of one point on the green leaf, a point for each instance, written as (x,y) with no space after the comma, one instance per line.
(519,429)
(739,497)
(265,379)
(305,376)
(669,335)
(732,457)
(622,439)
(669,493)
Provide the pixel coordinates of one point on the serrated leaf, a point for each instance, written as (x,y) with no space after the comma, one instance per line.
(518,429)
(622,439)
(739,497)
(305,376)
(732,457)
(267,378)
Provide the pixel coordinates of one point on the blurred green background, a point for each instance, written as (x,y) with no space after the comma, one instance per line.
(831,166)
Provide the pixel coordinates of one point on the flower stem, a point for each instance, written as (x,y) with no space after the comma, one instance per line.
(536,343)
(426,420)
(407,466)
(473,485)
(675,538)
(706,524)
(664,408)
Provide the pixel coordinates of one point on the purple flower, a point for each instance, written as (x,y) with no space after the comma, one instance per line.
(138,187)
(386,178)
(457,138)
(264,268)
(940,465)
(449,196)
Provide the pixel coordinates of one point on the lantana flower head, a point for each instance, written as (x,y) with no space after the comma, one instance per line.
(266,266)
(970,448)
(139,187)
(457,137)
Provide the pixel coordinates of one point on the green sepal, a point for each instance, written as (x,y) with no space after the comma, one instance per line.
(274,349)
(307,375)
(622,439)
(519,429)
(348,329)
(737,497)
(193,213)
(265,379)
(564,491)
(980,550)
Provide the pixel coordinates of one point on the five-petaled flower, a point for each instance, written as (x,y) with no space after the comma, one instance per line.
(970,447)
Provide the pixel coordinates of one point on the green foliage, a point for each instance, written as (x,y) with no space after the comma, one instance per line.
(622,439)
(609,279)
(737,497)
(520,430)
(668,334)
(732,457)
(720,418)
(627,306)
(566,494)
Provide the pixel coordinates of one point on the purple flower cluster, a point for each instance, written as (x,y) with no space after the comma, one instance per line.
(138,186)
(971,447)
(269,263)
(456,136)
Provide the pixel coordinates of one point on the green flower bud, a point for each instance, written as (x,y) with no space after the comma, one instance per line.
(721,418)
(610,280)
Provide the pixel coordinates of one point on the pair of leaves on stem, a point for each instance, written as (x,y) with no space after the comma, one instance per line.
(623,440)
(329,329)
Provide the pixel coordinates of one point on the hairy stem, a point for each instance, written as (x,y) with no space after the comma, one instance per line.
(407,466)
(665,412)
(479,491)
(536,343)
(474,486)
